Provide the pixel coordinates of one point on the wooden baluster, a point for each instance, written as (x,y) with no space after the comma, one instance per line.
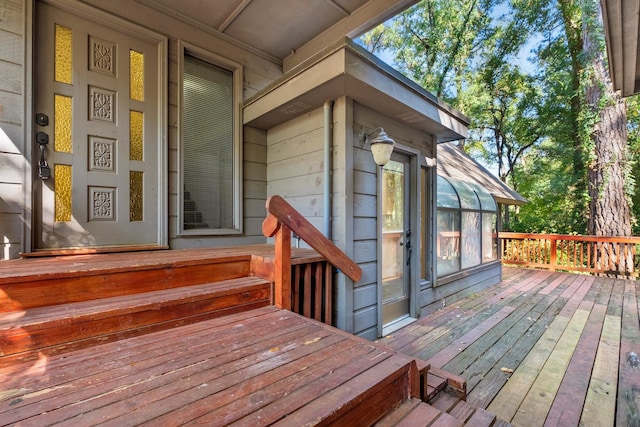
(307,292)
(317,311)
(328,293)
(295,287)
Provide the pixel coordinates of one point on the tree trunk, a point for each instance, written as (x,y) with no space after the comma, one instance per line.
(609,211)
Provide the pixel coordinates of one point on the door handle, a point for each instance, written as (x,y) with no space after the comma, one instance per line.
(44,172)
(408,246)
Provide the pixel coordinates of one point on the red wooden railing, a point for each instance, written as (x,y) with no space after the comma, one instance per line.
(281,220)
(616,256)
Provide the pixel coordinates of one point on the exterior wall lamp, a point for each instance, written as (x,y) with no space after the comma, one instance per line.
(381,145)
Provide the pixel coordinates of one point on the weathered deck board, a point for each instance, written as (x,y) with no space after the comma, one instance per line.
(600,404)
(446,354)
(567,406)
(629,381)
(567,340)
(540,397)
(265,364)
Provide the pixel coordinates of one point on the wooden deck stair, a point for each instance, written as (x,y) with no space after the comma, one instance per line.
(77,302)
(164,338)
(57,329)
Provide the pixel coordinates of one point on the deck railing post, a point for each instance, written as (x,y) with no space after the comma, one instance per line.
(553,249)
(271,227)
(282,268)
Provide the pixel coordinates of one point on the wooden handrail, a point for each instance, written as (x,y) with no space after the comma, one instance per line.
(281,220)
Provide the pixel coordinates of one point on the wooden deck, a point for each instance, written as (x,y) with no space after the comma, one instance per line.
(190,337)
(540,348)
(250,368)
(149,339)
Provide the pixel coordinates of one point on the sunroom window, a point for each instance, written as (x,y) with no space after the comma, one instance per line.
(209,151)
(466,226)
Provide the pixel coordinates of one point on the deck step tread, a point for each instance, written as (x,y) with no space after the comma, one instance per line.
(125,303)
(267,365)
(61,328)
(362,399)
(449,402)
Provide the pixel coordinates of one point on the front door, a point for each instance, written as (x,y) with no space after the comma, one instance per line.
(396,239)
(97,139)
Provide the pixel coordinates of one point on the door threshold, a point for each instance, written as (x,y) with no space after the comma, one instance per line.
(397,324)
(88,251)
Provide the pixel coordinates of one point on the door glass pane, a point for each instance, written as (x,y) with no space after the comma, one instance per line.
(136,192)
(393,231)
(426,259)
(62,129)
(136,75)
(62,186)
(63,55)
(208,140)
(136,137)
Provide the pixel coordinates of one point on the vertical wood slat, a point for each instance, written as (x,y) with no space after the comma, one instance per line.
(328,294)
(306,311)
(295,285)
(554,253)
(312,290)
(594,254)
(317,311)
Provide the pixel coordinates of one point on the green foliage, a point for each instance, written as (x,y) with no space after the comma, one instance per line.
(527,121)
(633,139)
(546,179)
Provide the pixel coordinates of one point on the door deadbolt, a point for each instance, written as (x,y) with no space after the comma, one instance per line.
(42,119)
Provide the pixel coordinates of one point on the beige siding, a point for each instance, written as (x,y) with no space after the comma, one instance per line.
(295,164)
(342,206)
(365,225)
(12,145)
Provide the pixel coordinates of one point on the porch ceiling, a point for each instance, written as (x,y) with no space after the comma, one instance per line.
(622,30)
(287,31)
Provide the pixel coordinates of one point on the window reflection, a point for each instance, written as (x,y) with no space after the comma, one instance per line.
(466,226)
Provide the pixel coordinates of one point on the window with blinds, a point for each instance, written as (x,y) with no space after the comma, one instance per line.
(208,147)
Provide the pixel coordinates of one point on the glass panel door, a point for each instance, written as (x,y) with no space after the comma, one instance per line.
(396,239)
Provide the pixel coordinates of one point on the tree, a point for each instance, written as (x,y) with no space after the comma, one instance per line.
(605,127)
(435,42)
(557,132)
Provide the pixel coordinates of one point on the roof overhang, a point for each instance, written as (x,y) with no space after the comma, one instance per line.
(454,163)
(346,69)
(621,24)
(286,32)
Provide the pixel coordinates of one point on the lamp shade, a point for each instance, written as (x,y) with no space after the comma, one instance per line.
(381,146)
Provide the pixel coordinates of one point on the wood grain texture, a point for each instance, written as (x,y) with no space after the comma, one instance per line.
(287,215)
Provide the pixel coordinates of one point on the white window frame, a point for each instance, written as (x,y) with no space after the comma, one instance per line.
(236,69)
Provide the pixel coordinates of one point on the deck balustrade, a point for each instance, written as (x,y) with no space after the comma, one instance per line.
(310,291)
(616,256)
